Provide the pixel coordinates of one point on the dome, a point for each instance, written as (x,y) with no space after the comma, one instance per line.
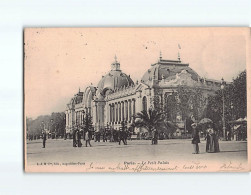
(167,69)
(115,79)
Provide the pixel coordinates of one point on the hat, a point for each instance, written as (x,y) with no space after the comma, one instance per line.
(194,125)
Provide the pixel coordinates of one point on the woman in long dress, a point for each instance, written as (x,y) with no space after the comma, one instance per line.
(216,142)
(210,139)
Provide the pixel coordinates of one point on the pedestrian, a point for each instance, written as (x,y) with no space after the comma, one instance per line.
(104,136)
(125,132)
(79,138)
(155,137)
(210,139)
(121,136)
(207,138)
(196,138)
(74,138)
(88,138)
(216,141)
(44,138)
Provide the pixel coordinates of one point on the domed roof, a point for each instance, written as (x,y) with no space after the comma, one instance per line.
(115,79)
(167,69)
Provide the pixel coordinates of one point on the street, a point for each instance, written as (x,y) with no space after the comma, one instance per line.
(137,150)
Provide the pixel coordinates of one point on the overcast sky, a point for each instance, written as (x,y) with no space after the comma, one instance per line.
(60,61)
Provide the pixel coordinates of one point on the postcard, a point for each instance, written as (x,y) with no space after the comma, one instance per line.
(156,99)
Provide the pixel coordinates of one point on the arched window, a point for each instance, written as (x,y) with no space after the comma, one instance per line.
(144,101)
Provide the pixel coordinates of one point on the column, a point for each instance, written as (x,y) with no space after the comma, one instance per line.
(110,113)
(133,107)
(76,118)
(96,108)
(116,112)
(113,113)
(66,119)
(129,110)
(122,111)
(126,110)
(119,112)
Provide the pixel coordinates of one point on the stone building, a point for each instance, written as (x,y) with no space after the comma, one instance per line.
(118,98)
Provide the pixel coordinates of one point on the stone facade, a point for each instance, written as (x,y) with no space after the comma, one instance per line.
(117,98)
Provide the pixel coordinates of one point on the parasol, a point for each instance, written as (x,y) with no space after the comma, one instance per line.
(205,121)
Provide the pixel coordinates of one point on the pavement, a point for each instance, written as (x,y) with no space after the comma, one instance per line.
(175,150)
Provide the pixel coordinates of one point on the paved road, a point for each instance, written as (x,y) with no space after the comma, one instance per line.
(136,150)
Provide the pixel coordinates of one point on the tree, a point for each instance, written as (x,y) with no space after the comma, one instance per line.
(53,123)
(170,107)
(87,124)
(150,120)
(235,102)
(191,102)
(239,96)
(184,103)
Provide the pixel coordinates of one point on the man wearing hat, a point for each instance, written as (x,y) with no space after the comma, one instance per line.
(44,138)
(196,138)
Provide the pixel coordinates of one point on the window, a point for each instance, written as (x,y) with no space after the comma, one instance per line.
(144,101)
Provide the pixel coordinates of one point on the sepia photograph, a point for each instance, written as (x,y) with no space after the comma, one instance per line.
(156,99)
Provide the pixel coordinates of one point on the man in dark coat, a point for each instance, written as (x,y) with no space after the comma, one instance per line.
(44,139)
(122,136)
(196,138)
(74,138)
(79,138)
(155,137)
(125,132)
(105,136)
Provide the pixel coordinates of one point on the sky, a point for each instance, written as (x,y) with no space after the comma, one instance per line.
(60,61)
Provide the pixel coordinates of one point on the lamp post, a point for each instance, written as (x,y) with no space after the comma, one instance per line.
(42,126)
(65,127)
(51,127)
(56,130)
(232,114)
(223,109)
(83,112)
(83,120)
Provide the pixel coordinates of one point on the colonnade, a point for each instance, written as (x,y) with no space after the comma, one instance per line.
(76,117)
(122,111)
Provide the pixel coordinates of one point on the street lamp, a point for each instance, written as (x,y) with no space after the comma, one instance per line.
(223,108)
(65,127)
(232,113)
(51,129)
(83,112)
(42,126)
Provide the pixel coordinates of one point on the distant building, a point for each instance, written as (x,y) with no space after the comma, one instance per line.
(118,98)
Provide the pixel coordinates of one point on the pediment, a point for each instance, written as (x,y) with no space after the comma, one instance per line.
(141,86)
(182,78)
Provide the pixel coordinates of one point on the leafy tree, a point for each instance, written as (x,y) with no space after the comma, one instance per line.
(171,107)
(235,102)
(239,97)
(150,119)
(54,123)
(184,103)
(191,101)
(158,106)
(87,124)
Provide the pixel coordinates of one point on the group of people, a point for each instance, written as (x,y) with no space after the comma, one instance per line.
(116,136)
(212,139)
(87,136)
(113,135)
